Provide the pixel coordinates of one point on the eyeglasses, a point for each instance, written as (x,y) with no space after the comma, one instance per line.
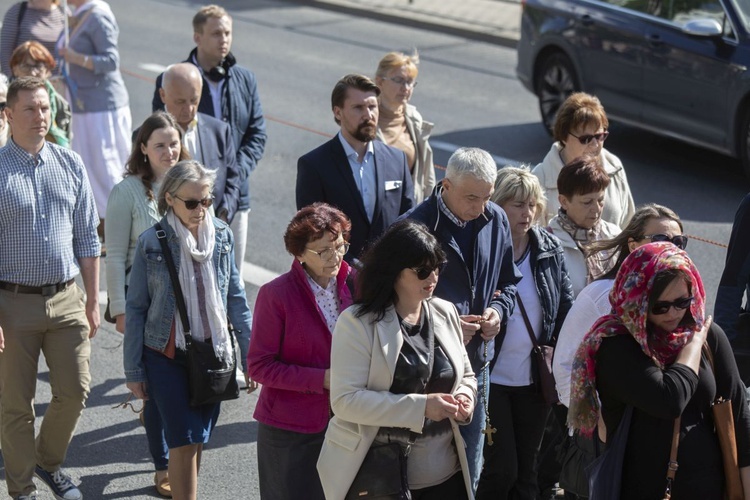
(587,138)
(662,307)
(30,67)
(402,81)
(424,272)
(193,204)
(3,105)
(329,253)
(679,241)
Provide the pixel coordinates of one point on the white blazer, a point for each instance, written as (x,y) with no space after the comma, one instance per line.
(363,360)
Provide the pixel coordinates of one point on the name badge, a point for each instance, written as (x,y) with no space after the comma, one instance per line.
(391,185)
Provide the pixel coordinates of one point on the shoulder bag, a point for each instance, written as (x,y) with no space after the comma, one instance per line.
(107,315)
(541,356)
(211,380)
(724,424)
(605,473)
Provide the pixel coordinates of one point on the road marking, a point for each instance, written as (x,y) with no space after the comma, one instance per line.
(153,68)
(451,148)
(256,275)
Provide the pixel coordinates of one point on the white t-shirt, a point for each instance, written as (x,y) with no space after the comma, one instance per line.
(513,365)
(591,304)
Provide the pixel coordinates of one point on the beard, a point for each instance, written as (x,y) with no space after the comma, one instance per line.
(361,134)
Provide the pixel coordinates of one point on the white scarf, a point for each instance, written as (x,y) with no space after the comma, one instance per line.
(201,251)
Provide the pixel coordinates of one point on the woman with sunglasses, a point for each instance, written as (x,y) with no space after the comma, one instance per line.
(399,123)
(543,296)
(399,371)
(290,352)
(649,354)
(650,223)
(580,129)
(154,351)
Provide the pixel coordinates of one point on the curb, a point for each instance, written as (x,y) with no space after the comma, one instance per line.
(414,22)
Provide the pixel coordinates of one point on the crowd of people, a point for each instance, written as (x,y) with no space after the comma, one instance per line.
(413,315)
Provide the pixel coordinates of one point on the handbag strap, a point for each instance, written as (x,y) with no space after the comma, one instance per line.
(161,235)
(526,321)
(672,466)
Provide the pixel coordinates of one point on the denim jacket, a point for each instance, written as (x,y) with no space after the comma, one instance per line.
(151,309)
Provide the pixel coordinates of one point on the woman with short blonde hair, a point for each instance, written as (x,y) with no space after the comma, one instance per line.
(399,123)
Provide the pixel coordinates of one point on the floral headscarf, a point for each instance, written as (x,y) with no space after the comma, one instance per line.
(630,302)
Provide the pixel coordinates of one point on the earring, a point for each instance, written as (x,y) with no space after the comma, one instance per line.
(145,159)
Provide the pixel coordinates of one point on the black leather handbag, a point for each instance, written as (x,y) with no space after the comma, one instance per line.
(211,380)
(605,473)
(383,473)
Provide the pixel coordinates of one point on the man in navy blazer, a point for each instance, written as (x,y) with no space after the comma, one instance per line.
(207,139)
(367,180)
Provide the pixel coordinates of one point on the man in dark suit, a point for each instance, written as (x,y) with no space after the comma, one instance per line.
(207,139)
(367,180)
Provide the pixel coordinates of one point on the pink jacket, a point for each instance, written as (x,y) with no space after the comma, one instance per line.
(290,350)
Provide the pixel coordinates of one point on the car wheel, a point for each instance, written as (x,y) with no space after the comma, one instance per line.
(745,143)
(555,81)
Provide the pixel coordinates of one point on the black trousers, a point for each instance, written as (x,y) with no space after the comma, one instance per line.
(510,465)
(450,489)
(287,464)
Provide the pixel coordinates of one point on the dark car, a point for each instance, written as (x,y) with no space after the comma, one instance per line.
(674,67)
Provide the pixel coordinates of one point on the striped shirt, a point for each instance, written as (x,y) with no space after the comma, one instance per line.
(48,218)
(44,26)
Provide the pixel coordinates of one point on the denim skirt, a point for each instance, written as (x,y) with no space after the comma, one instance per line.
(167,387)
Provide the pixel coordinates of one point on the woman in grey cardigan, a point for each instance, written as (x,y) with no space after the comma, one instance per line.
(101,114)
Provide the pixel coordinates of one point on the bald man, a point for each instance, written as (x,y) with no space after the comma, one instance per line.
(207,139)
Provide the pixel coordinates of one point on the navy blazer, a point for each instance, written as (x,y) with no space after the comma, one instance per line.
(324,174)
(216,151)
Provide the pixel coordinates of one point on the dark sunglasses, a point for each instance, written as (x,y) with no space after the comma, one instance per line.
(424,272)
(679,241)
(662,307)
(193,204)
(587,138)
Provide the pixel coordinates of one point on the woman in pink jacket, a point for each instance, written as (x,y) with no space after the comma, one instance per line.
(290,352)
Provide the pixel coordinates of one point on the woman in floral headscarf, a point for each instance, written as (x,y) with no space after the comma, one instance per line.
(647,354)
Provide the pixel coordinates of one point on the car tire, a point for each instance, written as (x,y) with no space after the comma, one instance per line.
(555,80)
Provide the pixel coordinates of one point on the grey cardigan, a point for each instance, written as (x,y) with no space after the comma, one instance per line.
(96,37)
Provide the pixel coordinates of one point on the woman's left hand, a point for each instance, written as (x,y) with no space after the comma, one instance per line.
(251,385)
(71,56)
(465,407)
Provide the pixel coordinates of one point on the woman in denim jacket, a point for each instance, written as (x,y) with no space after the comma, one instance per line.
(154,350)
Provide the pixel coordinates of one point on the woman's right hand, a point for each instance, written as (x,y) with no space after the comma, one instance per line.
(120,323)
(138,389)
(441,406)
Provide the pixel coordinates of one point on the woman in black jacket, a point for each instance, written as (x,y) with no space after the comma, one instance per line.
(516,406)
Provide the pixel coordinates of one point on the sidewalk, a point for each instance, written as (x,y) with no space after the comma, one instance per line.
(493,21)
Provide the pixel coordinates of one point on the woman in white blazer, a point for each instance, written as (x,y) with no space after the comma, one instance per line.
(398,366)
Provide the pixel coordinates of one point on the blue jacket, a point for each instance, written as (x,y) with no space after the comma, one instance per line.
(552,284)
(150,308)
(495,274)
(240,108)
(735,280)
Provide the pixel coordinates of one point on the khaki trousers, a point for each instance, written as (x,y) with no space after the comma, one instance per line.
(56,326)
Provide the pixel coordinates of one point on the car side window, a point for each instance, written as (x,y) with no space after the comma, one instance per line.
(680,11)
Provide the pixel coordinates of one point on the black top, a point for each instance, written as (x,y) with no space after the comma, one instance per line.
(625,375)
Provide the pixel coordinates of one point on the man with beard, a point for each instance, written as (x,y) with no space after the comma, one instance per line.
(367,180)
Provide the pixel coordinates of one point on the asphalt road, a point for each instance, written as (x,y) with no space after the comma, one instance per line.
(467,88)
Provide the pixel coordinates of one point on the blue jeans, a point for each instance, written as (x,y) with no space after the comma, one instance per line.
(472,434)
(157,444)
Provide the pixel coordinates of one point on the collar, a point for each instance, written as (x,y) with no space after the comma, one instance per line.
(192,125)
(319,290)
(41,156)
(447,211)
(228,61)
(349,150)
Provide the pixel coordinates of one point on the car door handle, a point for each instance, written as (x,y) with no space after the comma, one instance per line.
(654,40)
(587,20)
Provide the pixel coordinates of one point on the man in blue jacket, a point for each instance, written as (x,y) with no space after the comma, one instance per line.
(480,277)
(230,93)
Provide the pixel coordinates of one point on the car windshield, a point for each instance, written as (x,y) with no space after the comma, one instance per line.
(743,10)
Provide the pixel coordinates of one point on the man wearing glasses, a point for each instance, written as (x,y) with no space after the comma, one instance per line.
(480,277)
(367,180)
